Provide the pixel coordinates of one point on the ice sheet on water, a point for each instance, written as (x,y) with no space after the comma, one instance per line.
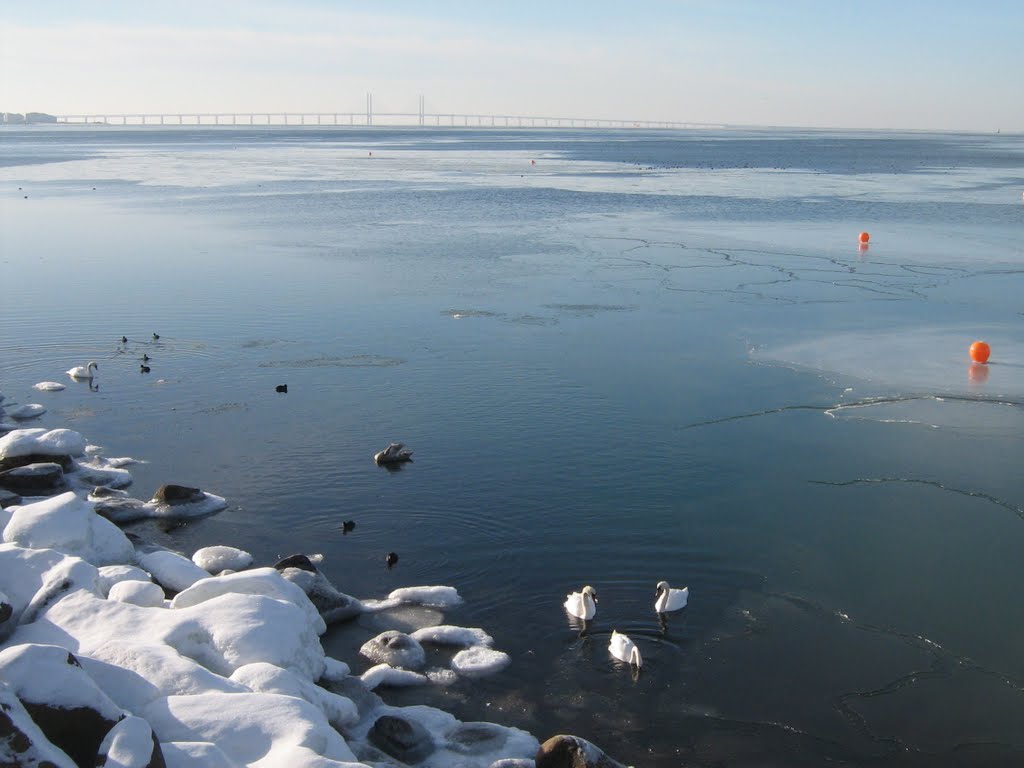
(450,635)
(49,386)
(385,674)
(479,661)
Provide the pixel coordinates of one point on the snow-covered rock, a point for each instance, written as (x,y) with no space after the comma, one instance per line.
(69,524)
(174,571)
(395,648)
(333,605)
(254,729)
(39,442)
(220,558)
(21,742)
(34,579)
(130,744)
(260,581)
(142,593)
(261,677)
(109,575)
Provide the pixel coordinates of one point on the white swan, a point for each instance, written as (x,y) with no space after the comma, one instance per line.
(670,599)
(582,604)
(83,371)
(624,649)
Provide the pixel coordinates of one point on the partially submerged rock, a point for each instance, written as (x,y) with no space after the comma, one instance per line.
(395,648)
(38,479)
(565,751)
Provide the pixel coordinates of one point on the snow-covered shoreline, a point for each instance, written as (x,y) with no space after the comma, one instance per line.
(114,649)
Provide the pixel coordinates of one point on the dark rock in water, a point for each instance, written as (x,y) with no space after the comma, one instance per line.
(34,479)
(11,462)
(121,510)
(177,494)
(8,498)
(403,739)
(572,752)
(296,561)
(281,388)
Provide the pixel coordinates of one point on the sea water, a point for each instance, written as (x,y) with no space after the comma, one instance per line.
(619,357)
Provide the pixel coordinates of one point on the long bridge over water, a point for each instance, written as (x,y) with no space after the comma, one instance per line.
(366,118)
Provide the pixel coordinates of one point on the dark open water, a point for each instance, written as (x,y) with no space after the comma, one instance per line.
(646,356)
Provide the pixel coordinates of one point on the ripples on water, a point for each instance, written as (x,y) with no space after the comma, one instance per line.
(650,356)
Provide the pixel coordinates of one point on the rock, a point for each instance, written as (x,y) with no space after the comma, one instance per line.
(333,605)
(131,744)
(8,498)
(572,752)
(121,510)
(39,479)
(177,494)
(6,608)
(30,446)
(68,524)
(403,739)
(296,561)
(73,713)
(395,648)
(142,593)
(513,762)
(170,570)
(220,558)
(22,744)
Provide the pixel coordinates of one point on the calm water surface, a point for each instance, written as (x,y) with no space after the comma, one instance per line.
(644,356)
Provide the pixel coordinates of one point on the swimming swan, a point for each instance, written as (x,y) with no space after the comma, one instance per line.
(83,371)
(394,453)
(670,599)
(582,604)
(624,649)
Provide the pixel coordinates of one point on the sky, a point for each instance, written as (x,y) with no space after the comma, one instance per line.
(820,63)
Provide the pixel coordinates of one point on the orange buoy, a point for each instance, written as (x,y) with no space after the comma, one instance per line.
(864,237)
(980,352)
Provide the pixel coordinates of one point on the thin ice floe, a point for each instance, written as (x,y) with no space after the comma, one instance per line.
(29,411)
(49,386)
(203,670)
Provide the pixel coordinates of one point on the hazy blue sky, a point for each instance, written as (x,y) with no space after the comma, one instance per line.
(845,63)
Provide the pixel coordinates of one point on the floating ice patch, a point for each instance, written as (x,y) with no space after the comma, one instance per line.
(441,597)
(386,675)
(441,676)
(911,360)
(479,662)
(210,504)
(49,386)
(98,472)
(450,635)
(30,411)
(219,558)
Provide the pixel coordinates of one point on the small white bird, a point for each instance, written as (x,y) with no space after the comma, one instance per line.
(83,371)
(582,604)
(670,599)
(624,649)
